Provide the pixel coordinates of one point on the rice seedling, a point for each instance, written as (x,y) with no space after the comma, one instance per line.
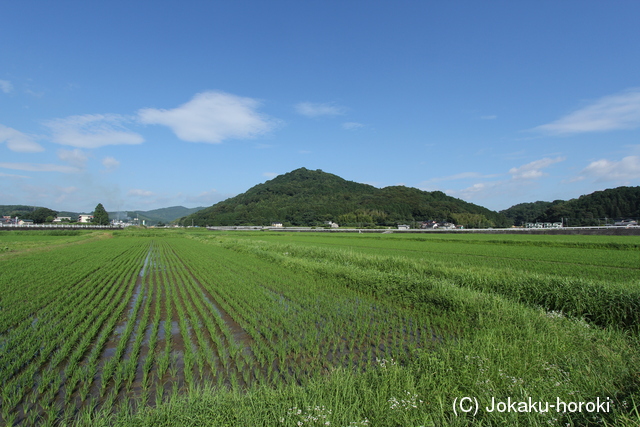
(375,331)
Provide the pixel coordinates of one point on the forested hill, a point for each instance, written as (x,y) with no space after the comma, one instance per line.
(158,216)
(17,210)
(310,198)
(528,212)
(591,209)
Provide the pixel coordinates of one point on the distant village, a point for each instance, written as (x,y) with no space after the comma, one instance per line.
(87,220)
(82,219)
(428,225)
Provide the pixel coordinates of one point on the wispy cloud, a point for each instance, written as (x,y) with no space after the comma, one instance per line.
(212,117)
(522,179)
(311,109)
(75,157)
(458,176)
(207,197)
(93,131)
(619,111)
(6,86)
(10,175)
(352,125)
(18,141)
(608,170)
(63,194)
(40,167)
(140,193)
(270,174)
(477,189)
(533,170)
(34,93)
(110,164)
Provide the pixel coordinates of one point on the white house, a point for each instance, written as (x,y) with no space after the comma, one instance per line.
(85,218)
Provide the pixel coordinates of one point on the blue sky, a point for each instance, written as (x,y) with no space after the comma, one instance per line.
(142,105)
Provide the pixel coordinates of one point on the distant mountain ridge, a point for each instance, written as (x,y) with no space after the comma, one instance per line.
(306,197)
(590,209)
(162,215)
(151,217)
(6,210)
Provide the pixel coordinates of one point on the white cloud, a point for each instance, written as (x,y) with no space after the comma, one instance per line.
(533,170)
(493,190)
(211,117)
(10,175)
(270,174)
(207,197)
(311,109)
(619,111)
(352,125)
(18,141)
(607,170)
(463,175)
(63,194)
(110,163)
(475,189)
(6,86)
(140,193)
(34,94)
(93,131)
(42,193)
(38,167)
(522,181)
(75,157)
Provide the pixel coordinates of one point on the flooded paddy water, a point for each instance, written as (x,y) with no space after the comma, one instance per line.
(164,322)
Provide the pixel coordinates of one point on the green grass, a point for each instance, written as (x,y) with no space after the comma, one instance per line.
(21,240)
(279,329)
(574,292)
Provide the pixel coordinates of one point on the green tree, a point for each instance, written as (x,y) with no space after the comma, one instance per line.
(42,215)
(100,215)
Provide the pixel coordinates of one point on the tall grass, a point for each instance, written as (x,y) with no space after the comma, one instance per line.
(299,335)
(602,303)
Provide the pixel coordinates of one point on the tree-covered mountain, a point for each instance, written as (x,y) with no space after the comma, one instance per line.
(38,214)
(527,212)
(591,209)
(310,198)
(152,217)
(17,210)
(156,216)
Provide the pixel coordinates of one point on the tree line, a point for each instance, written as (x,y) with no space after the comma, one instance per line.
(312,198)
(588,210)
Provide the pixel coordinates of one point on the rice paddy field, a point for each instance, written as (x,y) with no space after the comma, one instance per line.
(193,327)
